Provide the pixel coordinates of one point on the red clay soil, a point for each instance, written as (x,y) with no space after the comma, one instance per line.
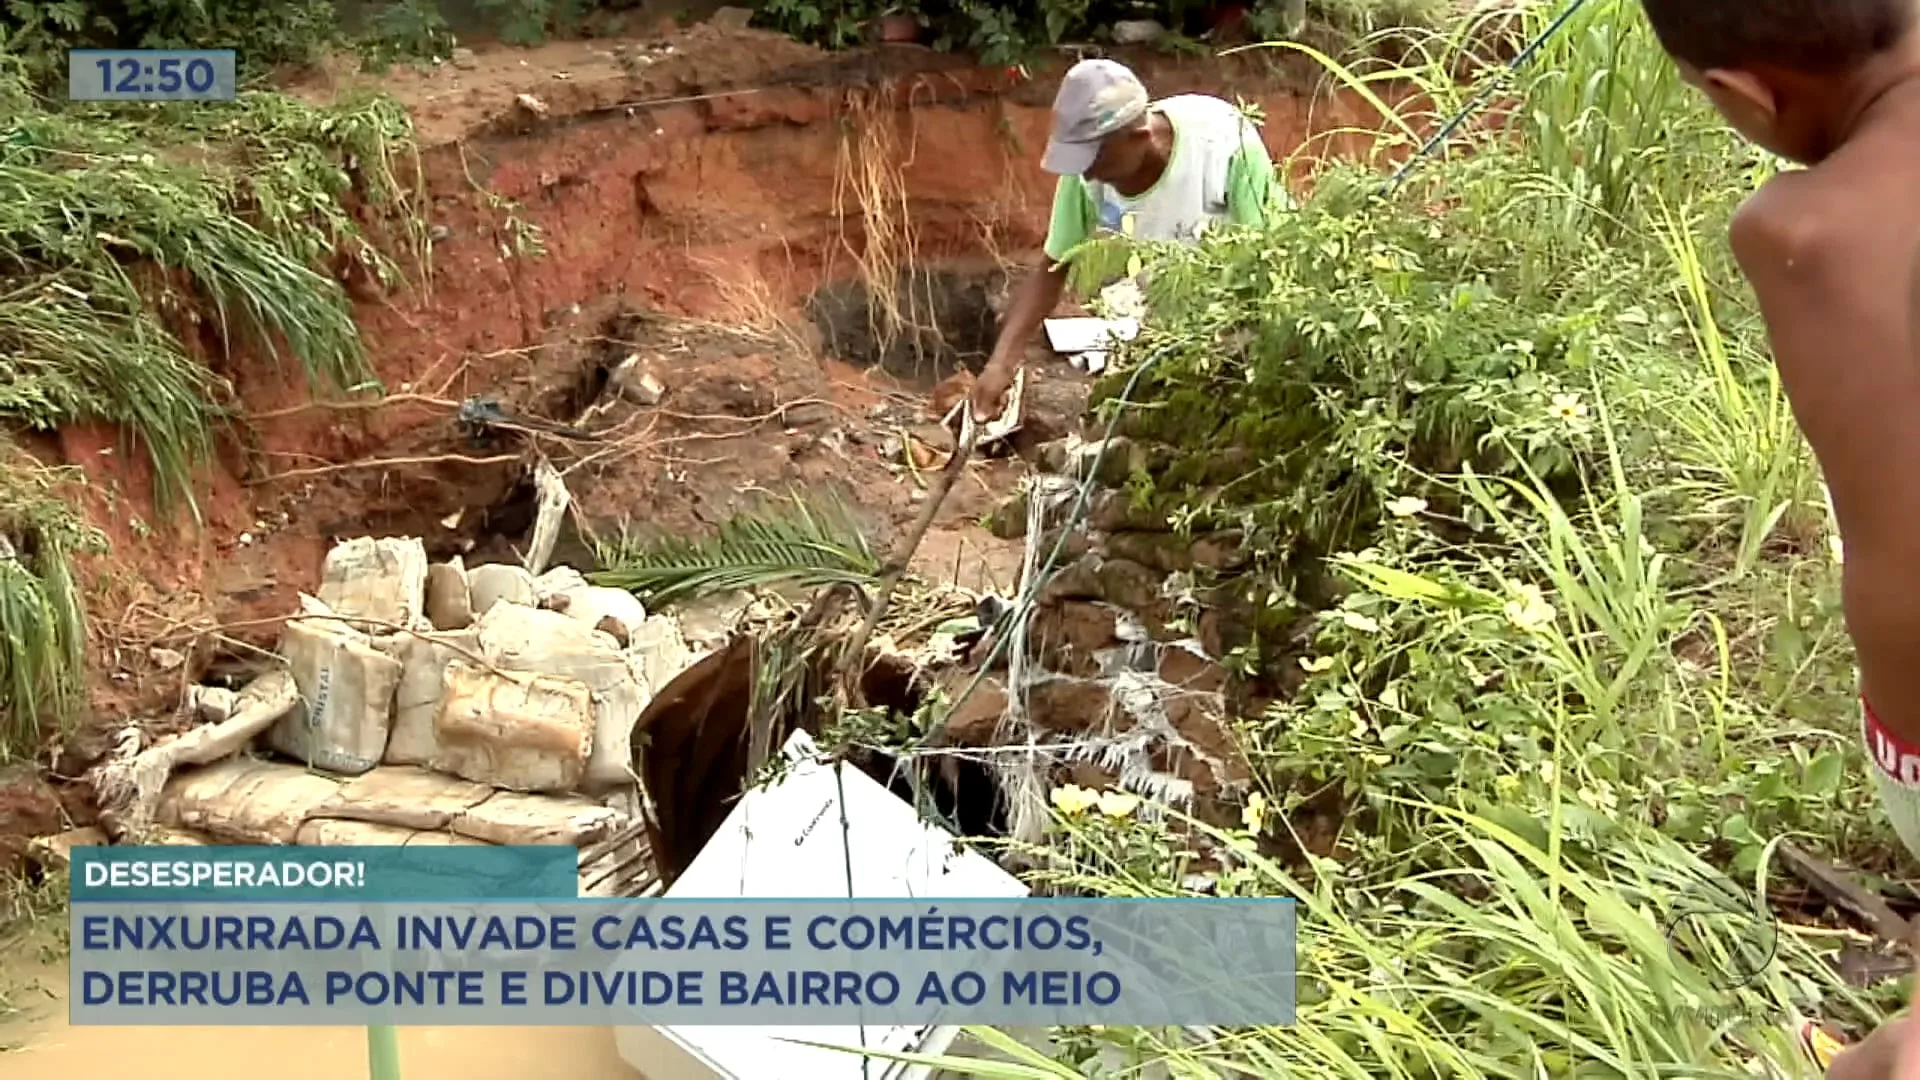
(693,176)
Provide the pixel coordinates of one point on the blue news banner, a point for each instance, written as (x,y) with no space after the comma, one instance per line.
(499,936)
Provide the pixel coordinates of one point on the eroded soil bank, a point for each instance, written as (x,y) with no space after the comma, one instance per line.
(722,176)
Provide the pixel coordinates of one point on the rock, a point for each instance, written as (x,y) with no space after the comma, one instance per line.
(1009,519)
(975,722)
(382,580)
(164,659)
(416,703)
(464,59)
(494,583)
(340,832)
(731,18)
(1165,552)
(636,380)
(808,414)
(1137,31)
(1070,634)
(263,803)
(214,704)
(1115,511)
(346,687)
(513,818)
(531,640)
(449,600)
(56,852)
(1111,462)
(1130,585)
(524,732)
(1184,666)
(29,807)
(404,797)
(1070,705)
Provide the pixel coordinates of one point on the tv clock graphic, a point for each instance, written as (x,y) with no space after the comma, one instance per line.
(151,74)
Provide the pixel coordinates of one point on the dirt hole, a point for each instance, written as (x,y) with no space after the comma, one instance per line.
(936,320)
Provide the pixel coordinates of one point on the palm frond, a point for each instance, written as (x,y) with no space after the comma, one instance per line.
(794,541)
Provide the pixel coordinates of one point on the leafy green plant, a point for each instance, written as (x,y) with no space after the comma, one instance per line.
(799,543)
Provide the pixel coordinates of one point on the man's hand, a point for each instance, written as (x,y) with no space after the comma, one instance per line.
(989,397)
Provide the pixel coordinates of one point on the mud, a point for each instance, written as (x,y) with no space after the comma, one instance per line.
(41,1045)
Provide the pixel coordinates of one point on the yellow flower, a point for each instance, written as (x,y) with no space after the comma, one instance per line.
(1529,609)
(1569,407)
(1254,814)
(1073,800)
(1407,506)
(1316,664)
(1118,804)
(1356,621)
(1378,761)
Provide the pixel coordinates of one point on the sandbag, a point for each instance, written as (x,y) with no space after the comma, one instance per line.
(514,818)
(347,687)
(534,640)
(416,705)
(383,580)
(404,797)
(514,730)
(266,805)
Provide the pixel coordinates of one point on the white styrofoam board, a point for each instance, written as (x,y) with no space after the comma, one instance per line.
(1079,335)
(788,841)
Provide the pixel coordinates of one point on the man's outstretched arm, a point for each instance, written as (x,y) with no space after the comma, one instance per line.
(1036,296)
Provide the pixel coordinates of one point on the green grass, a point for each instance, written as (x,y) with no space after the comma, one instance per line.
(1591,671)
(144,250)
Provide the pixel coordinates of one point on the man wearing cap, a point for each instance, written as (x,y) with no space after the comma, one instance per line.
(1153,170)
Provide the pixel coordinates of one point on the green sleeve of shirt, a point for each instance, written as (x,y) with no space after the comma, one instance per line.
(1073,217)
(1250,186)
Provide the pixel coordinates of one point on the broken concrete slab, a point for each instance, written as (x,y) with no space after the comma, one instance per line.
(496,583)
(413,739)
(266,805)
(346,687)
(514,730)
(383,580)
(524,639)
(449,601)
(511,817)
(340,832)
(404,797)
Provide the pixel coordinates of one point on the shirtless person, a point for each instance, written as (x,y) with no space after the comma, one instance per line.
(1157,170)
(1831,254)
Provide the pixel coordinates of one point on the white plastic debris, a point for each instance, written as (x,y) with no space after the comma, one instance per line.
(786,840)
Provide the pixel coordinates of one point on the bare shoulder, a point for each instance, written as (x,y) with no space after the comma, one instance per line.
(1793,227)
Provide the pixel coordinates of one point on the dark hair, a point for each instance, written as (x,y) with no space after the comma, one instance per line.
(1814,36)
